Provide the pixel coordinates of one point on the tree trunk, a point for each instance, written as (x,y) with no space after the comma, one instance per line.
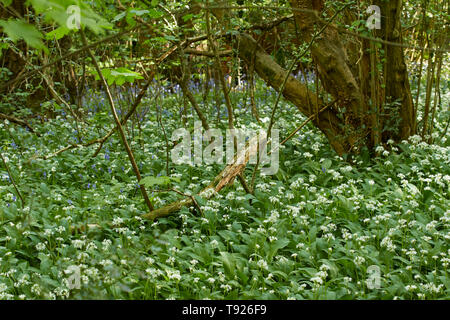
(294,91)
(350,124)
(396,73)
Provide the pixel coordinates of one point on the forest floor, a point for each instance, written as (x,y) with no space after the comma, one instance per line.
(318,229)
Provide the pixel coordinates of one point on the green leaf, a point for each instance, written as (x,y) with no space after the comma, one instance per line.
(153,13)
(120,81)
(130,20)
(57,11)
(19,29)
(281,274)
(151,181)
(327,163)
(242,273)
(128,74)
(6,2)
(229,264)
(57,34)
(160,39)
(44,188)
(187,17)
(46,263)
(171,38)
(119,16)
(277,245)
(139,12)
(3,46)
(118,76)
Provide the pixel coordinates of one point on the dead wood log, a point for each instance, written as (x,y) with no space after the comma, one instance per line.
(19,122)
(224,178)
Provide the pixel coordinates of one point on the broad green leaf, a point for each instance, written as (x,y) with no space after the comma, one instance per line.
(327,163)
(187,17)
(130,19)
(153,13)
(6,2)
(160,39)
(119,16)
(118,76)
(277,245)
(57,11)
(58,33)
(151,181)
(229,264)
(19,29)
(139,12)
(171,38)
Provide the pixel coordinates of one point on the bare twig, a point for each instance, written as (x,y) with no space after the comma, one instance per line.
(339,28)
(311,117)
(219,70)
(127,116)
(18,121)
(124,120)
(116,119)
(208,53)
(281,89)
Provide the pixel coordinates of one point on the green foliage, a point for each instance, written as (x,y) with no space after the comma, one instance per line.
(311,233)
(58,33)
(131,13)
(118,76)
(52,11)
(19,29)
(6,2)
(159,181)
(57,11)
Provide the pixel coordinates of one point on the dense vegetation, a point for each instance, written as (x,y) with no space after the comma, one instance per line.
(72,202)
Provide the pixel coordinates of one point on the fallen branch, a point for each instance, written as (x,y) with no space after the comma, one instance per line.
(191,197)
(227,175)
(72,146)
(223,179)
(19,122)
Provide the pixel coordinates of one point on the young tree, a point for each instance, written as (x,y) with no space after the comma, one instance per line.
(371,105)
